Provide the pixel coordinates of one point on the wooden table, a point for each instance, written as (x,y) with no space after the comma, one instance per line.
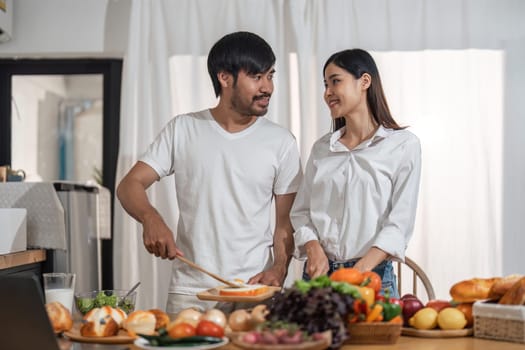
(404,343)
(414,343)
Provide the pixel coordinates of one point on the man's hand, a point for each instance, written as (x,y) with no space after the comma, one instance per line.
(274,276)
(317,263)
(158,238)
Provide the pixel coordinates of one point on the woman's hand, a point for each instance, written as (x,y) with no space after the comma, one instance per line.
(317,263)
(274,276)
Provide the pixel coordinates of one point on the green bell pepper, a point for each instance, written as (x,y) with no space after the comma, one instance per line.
(390,310)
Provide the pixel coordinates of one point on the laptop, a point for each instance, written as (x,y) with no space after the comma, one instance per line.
(24,323)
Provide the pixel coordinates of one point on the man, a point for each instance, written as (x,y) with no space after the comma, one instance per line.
(228,166)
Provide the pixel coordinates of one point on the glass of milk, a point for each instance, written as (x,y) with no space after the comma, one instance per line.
(59,286)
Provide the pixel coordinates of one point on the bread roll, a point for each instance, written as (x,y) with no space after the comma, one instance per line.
(502,286)
(471,290)
(515,295)
(140,322)
(162,318)
(116,314)
(98,322)
(60,317)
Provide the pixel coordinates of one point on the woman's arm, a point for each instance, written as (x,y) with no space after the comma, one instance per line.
(398,226)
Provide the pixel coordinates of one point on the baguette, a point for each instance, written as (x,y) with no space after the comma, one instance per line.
(472,290)
(515,295)
(502,286)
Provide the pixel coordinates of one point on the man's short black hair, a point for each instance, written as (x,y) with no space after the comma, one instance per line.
(239,51)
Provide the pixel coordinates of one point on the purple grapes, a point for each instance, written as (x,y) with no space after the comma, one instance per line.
(317,310)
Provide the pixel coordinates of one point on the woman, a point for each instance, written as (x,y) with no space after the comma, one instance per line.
(357,203)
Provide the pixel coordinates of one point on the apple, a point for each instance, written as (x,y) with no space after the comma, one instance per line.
(438,304)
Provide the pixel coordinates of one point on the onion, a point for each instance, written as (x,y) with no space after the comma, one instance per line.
(240,320)
(259,313)
(410,307)
(215,316)
(190,316)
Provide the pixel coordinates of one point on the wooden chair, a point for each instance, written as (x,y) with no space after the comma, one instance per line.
(417,274)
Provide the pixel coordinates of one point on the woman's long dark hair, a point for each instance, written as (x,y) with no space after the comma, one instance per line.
(357,62)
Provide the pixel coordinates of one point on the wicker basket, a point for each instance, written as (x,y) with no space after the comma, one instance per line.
(373,333)
(499,322)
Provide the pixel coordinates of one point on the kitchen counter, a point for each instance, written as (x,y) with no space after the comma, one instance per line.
(27,257)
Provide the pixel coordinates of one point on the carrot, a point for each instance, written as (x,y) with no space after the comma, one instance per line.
(397,320)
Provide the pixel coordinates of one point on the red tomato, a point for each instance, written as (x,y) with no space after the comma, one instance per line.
(396,301)
(182,330)
(210,329)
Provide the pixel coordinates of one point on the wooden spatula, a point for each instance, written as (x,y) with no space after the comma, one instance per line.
(211,274)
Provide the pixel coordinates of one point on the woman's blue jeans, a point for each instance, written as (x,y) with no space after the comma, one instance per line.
(384,269)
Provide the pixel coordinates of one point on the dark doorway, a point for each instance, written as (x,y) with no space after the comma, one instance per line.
(111,71)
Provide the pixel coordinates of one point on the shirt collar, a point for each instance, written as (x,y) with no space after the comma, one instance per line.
(336,146)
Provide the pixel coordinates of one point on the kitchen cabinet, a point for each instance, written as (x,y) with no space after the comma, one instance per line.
(26,263)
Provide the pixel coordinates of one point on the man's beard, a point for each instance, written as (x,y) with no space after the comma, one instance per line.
(249,109)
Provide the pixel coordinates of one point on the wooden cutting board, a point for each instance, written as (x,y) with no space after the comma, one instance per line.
(436,333)
(122,337)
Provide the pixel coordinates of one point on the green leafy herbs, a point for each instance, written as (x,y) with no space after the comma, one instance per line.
(104,298)
(85,304)
(325,281)
(126,305)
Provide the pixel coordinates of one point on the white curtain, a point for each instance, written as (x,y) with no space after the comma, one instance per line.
(451,71)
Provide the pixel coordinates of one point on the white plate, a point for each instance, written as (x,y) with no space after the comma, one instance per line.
(143,344)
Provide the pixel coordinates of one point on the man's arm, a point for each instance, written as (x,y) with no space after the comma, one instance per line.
(283,244)
(131,191)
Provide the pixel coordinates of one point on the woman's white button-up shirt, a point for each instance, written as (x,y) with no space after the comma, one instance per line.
(352,200)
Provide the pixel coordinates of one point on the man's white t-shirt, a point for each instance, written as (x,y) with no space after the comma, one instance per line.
(225,183)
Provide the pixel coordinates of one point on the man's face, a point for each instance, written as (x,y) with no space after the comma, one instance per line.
(251,93)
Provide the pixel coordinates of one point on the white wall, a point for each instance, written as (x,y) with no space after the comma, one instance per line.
(68,28)
(34,125)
